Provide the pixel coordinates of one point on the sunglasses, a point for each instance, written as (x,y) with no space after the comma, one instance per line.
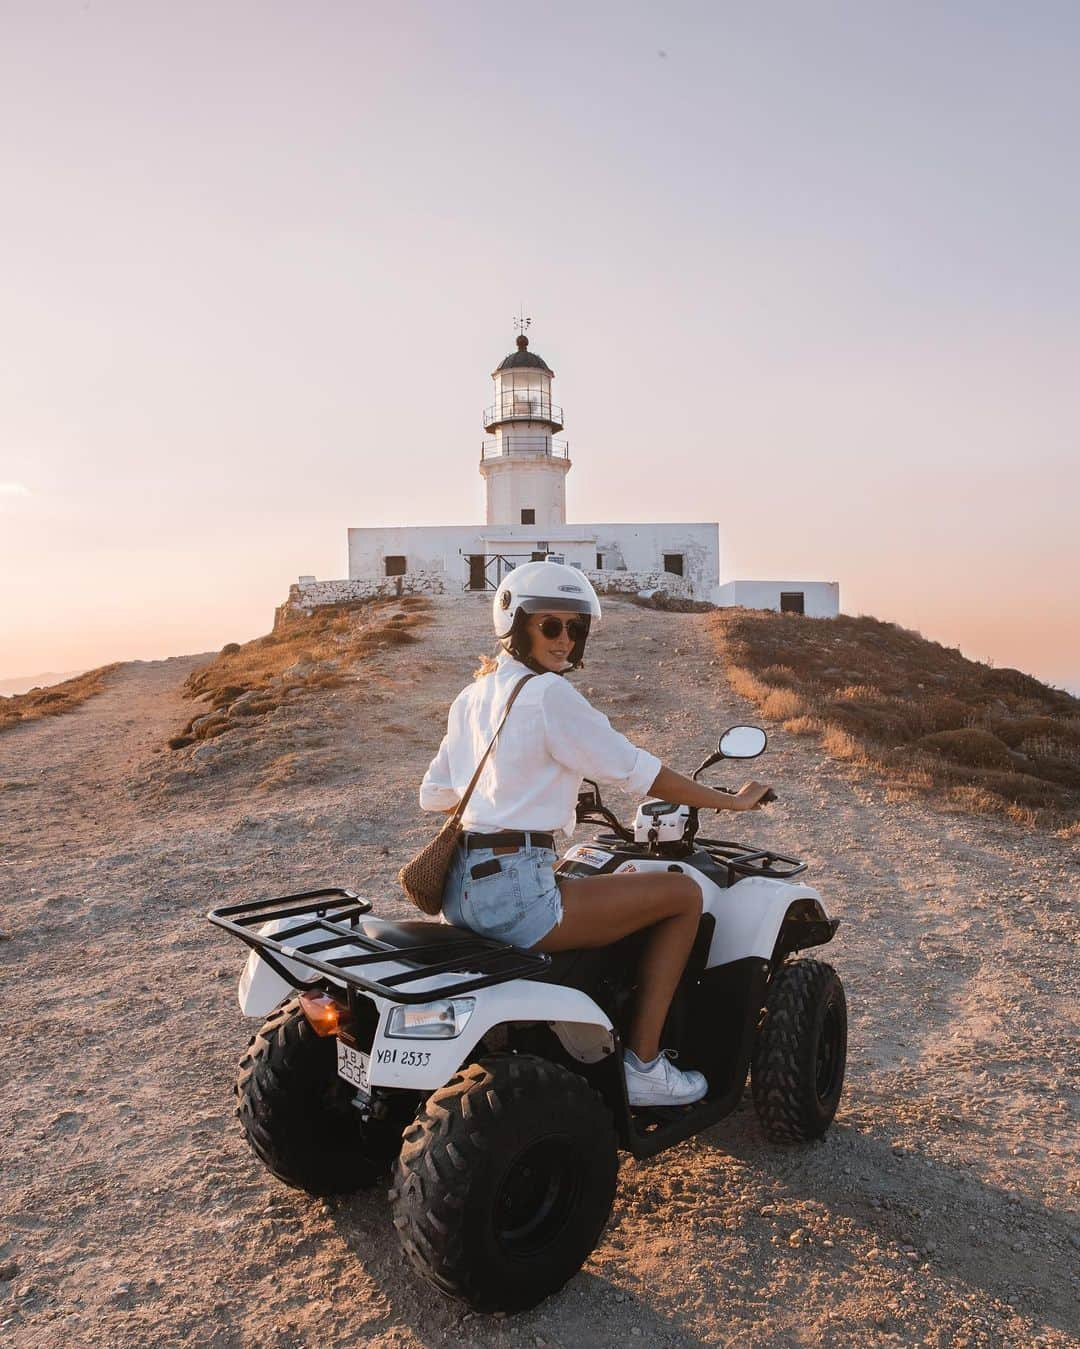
(576,628)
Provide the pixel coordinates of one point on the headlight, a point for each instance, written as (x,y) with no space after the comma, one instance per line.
(441,1020)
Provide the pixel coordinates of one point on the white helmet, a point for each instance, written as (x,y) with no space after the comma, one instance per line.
(537,586)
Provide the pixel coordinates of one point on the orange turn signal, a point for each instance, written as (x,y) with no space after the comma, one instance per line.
(324,1013)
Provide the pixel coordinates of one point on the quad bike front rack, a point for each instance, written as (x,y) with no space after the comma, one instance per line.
(743,861)
(331,920)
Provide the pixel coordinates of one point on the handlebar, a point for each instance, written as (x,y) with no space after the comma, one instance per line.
(769,796)
(591,810)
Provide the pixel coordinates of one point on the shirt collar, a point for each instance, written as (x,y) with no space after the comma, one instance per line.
(504,658)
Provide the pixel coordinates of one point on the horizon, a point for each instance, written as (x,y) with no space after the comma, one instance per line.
(810,275)
(57,676)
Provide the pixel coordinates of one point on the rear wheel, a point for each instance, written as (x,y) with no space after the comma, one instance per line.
(298,1115)
(797,1072)
(505,1181)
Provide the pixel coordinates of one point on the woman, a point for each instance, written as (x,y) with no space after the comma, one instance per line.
(502,883)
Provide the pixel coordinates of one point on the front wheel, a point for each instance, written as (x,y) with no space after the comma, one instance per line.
(505,1181)
(298,1115)
(797,1073)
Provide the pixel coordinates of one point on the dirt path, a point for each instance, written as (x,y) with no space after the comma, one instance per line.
(939,1210)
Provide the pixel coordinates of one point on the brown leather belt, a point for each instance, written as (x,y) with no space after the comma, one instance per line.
(510,838)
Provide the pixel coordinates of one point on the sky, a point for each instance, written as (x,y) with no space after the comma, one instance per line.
(807,269)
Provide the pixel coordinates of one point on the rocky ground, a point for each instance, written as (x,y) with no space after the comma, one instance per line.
(939,1210)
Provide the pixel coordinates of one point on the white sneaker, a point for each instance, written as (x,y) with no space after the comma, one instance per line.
(660,1082)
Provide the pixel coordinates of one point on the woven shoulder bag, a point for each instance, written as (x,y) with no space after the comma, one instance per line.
(424,877)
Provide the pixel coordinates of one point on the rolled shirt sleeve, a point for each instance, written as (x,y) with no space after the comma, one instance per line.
(584,741)
(437,791)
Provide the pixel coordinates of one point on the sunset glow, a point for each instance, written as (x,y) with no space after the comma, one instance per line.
(810,272)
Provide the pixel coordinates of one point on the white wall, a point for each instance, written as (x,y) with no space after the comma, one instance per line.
(641,548)
(515,481)
(425,548)
(821,599)
(636,548)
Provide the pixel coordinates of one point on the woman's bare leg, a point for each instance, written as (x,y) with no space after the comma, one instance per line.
(599,910)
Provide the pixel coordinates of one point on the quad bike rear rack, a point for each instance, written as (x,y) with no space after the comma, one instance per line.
(331,919)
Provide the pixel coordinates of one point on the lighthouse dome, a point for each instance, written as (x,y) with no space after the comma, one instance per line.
(523,358)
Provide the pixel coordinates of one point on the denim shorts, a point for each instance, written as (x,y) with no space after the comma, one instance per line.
(516,901)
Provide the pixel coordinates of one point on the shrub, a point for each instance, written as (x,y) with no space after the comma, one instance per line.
(781,703)
(804,725)
(975,748)
(1059,730)
(861,692)
(782,675)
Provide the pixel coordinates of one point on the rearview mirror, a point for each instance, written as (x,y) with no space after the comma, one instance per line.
(742,742)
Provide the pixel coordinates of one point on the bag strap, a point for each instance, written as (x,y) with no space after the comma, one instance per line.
(480,766)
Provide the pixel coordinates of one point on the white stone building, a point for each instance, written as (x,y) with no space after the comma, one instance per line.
(524,467)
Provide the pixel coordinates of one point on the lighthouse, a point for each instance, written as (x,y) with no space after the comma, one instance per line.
(523,465)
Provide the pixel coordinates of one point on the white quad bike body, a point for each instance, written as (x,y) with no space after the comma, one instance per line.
(755,912)
(748,919)
(491,1078)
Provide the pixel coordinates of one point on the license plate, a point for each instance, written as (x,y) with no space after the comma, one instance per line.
(353,1066)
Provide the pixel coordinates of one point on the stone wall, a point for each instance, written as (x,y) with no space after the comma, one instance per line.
(632,582)
(307,596)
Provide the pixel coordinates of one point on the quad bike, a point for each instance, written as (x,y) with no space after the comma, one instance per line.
(489,1078)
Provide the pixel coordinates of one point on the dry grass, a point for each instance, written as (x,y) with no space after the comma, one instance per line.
(783,703)
(879,696)
(302,655)
(53,701)
(660,599)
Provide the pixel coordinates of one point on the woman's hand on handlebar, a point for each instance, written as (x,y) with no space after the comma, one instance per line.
(750,796)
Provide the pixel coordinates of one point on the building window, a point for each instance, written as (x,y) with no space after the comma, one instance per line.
(673,563)
(792,602)
(395,566)
(528,515)
(539,557)
(599,562)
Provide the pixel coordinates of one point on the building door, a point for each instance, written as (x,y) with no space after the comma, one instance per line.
(477,576)
(673,563)
(792,602)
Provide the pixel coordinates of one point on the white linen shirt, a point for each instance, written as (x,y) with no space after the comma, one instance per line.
(552,739)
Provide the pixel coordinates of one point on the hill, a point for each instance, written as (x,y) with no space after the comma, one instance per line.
(936,1211)
(53,699)
(880,696)
(304,653)
(24,683)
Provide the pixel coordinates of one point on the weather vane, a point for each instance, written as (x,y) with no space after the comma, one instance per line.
(521,323)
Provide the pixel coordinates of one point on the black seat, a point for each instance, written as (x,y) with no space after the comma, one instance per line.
(414,936)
